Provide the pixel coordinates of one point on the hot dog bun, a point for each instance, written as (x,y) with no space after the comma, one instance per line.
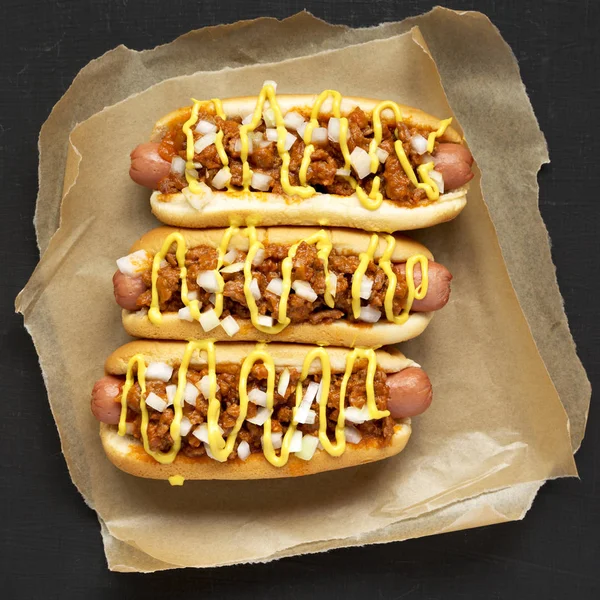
(259,208)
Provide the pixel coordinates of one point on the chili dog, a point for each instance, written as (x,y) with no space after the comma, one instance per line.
(332,286)
(303,160)
(242,411)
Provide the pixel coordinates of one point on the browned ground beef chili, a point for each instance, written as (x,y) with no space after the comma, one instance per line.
(306,266)
(325,160)
(159,438)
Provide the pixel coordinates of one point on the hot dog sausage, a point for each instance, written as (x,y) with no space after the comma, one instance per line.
(410,392)
(127,290)
(438,288)
(106,399)
(454,162)
(147,167)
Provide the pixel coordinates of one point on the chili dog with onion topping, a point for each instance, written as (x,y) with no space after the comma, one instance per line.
(243,411)
(332,286)
(303,160)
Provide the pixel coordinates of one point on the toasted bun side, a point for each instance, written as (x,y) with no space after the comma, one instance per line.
(243,106)
(265,209)
(344,240)
(338,333)
(284,355)
(127,454)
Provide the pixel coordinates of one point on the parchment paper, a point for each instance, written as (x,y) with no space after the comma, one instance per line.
(497,421)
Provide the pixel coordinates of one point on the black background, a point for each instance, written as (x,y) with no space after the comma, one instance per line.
(51,542)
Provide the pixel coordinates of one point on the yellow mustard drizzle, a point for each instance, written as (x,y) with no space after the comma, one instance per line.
(371,201)
(176,480)
(364,259)
(220,448)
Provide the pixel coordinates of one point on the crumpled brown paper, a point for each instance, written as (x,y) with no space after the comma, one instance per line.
(497,422)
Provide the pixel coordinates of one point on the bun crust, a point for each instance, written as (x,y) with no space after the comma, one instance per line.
(127,454)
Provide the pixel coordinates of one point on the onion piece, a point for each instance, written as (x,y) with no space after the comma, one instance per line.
(259,258)
(353,435)
(184,426)
(204,386)
(333,129)
(160,371)
(304,290)
(309,446)
(185,314)
(357,415)
(221,178)
(230,326)
(293,120)
(190,393)
(284,381)
(301,129)
(171,391)
(261,181)
(192,295)
(368,314)
(270,82)
(271,134)
(418,143)
(262,414)
(212,299)
(276,439)
(311,417)
(155,402)
(209,451)
(134,263)
(269,117)
(248,119)
(254,289)
(343,172)
(366,287)
(258,397)
(275,286)
(319,135)
(207,280)
(296,441)
(361,161)
(163,264)
(201,432)
(177,165)
(209,320)
(333,283)
(243,450)
(265,320)
(193,172)
(427,158)
(233,268)
(382,155)
(205,127)
(388,114)
(307,400)
(198,201)
(439,180)
(290,138)
(229,257)
(204,142)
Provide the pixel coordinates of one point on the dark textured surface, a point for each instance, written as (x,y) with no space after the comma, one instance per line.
(51,544)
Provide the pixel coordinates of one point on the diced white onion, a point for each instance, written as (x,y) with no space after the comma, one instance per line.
(230,257)
(382,154)
(361,161)
(284,381)
(233,268)
(193,295)
(276,439)
(209,320)
(207,280)
(271,83)
(205,127)
(304,290)
(201,432)
(366,287)
(198,165)
(296,442)
(134,263)
(388,114)
(221,179)
(261,181)
(171,391)
(309,446)
(190,393)
(163,264)
(177,165)
(248,119)
(333,283)
(230,326)
(213,299)
(204,142)
(333,129)
(259,257)
(290,138)
(159,370)
(254,289)
(353,435)
(269,117)
(271,134)
(156,402)
(193,172)
(204,386)
(311,417)
(343,172)
(427,158)
(184,426)
(302,129)
(243,450)
(368,314)
(198,201)
(185,314)
(257,397)
(418,143)
(265,320)
(293,120)
(357,415)
(275,286)
(307,400)
(439,180)
(262,414)
(209,452)
(319,135)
